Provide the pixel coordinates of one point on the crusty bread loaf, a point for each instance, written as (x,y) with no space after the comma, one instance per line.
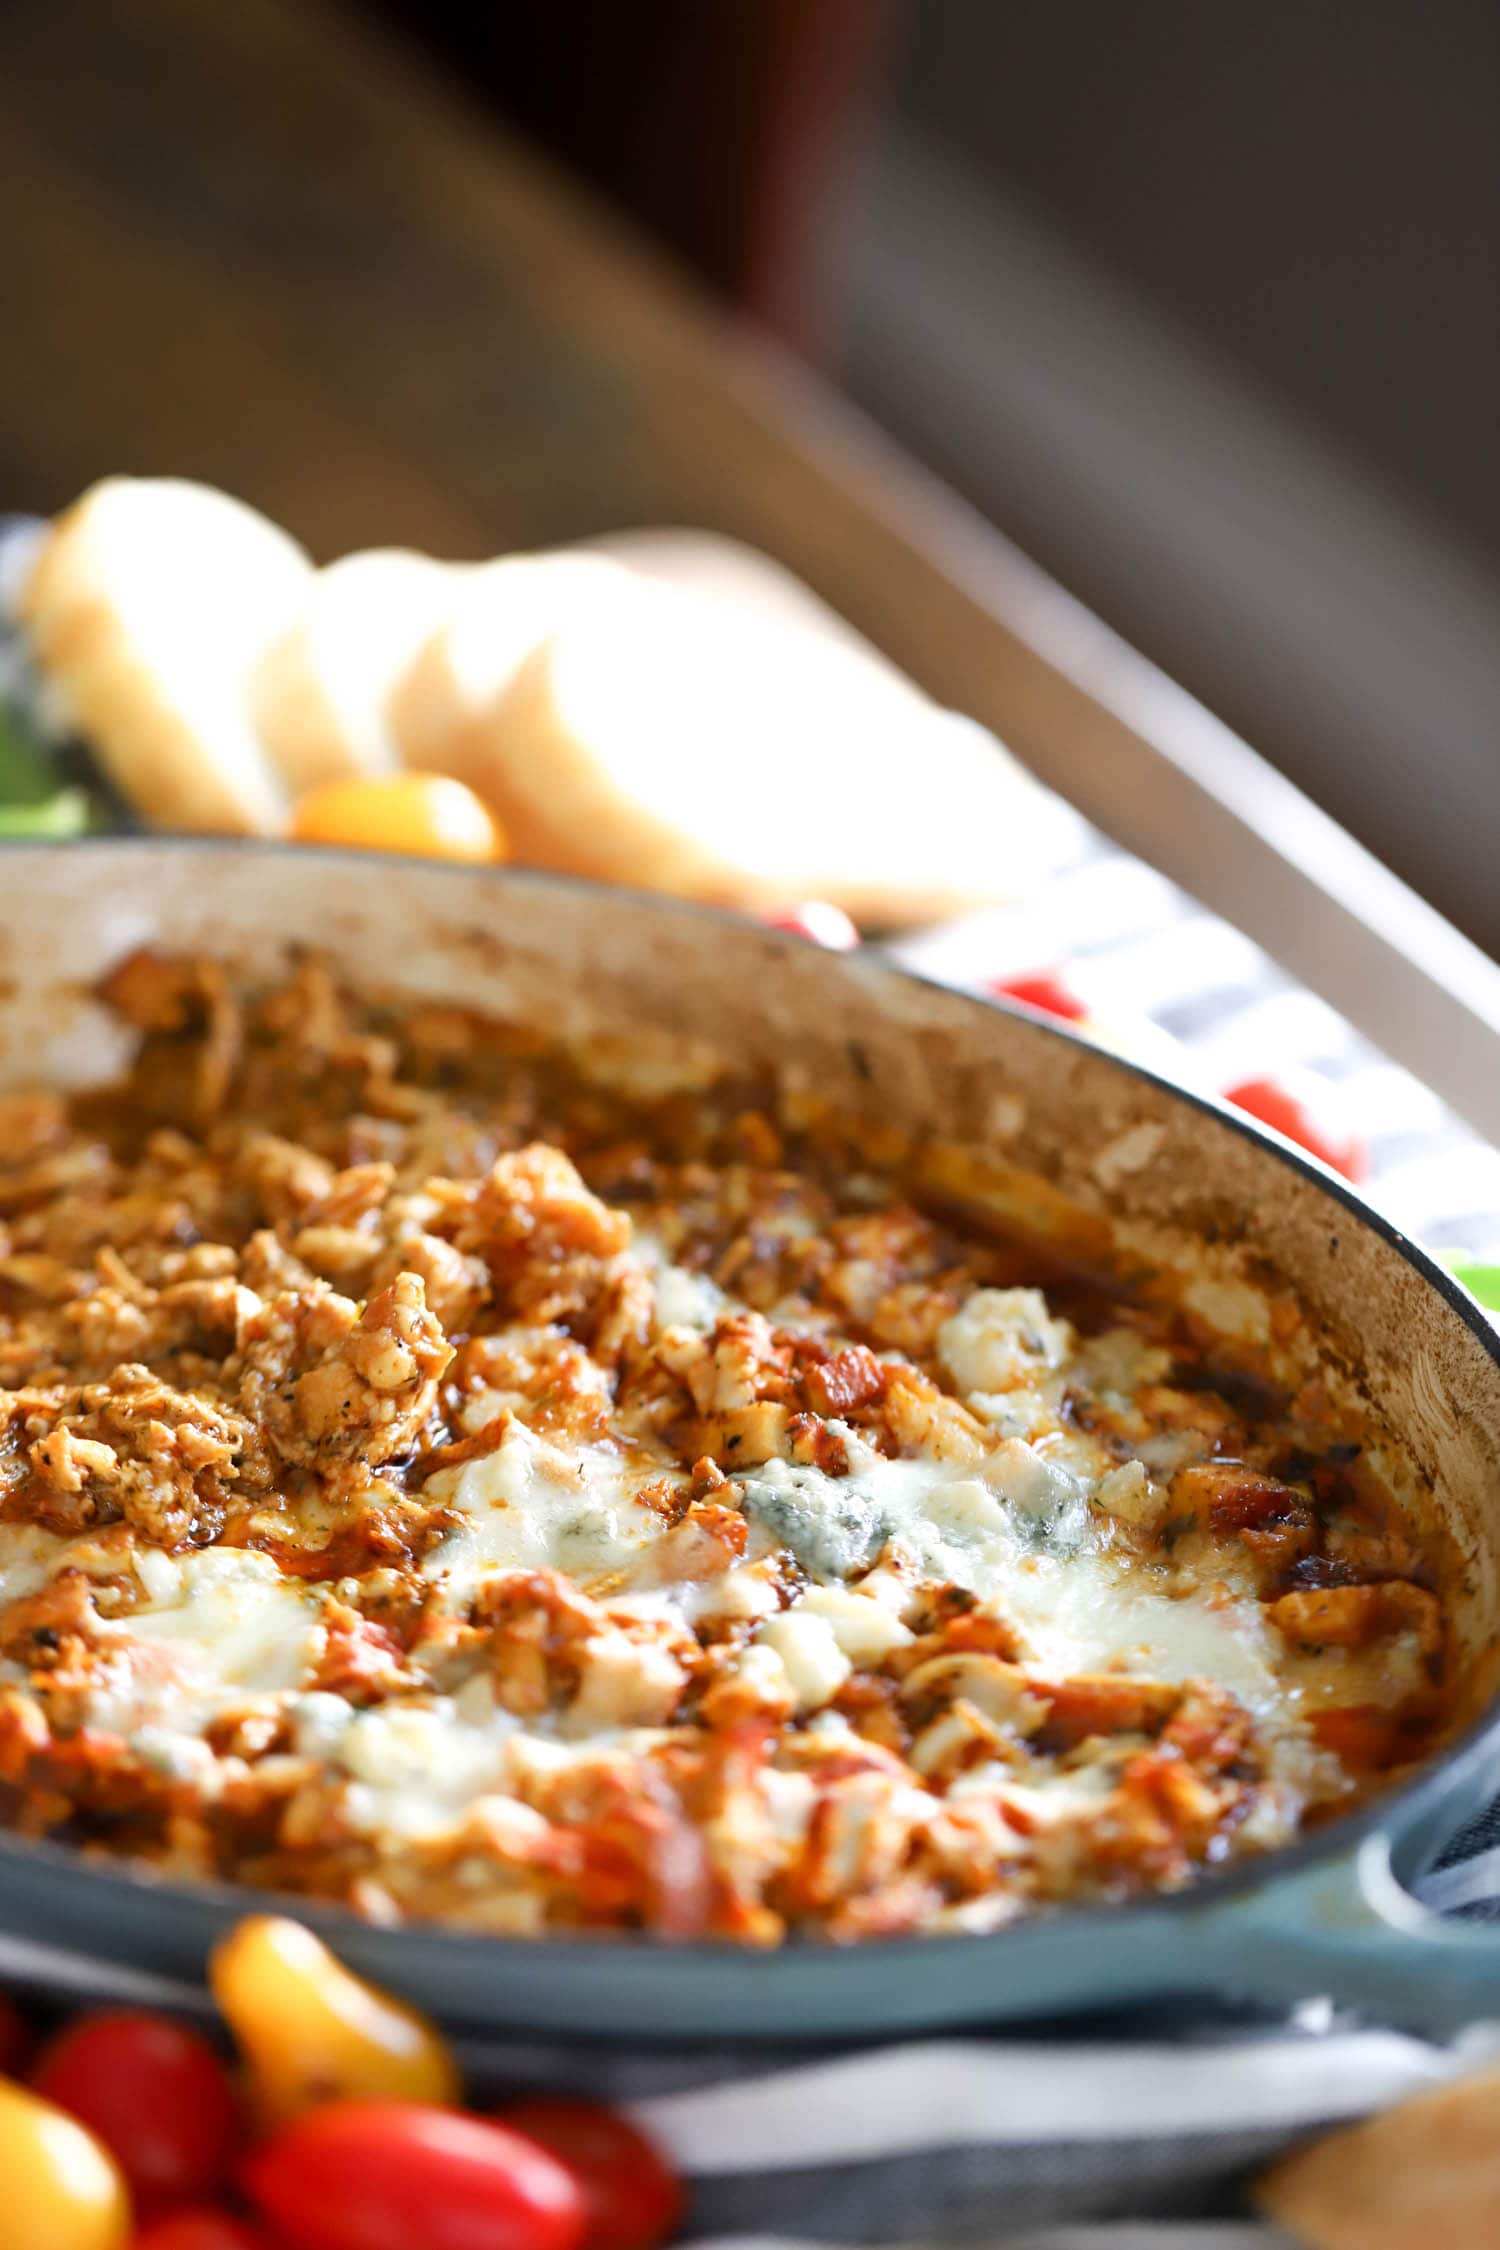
(320,691)
(667,740)
(439,708)
(731,571)
(146,609)
(1422,2176)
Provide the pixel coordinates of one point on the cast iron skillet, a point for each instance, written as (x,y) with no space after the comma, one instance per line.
(1325,1916)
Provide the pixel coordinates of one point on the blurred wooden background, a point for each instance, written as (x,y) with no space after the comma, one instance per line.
(272,247)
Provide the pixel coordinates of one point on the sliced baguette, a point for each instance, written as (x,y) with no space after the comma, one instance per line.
(1422,2176)
(146,609)
(319,693)
(502,611)
(664,739)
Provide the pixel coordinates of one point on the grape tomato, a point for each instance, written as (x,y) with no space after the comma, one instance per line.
(632,2197)
(1045,991)
(202,2228)
(387,2175)
(155,2093)
(1307,1120)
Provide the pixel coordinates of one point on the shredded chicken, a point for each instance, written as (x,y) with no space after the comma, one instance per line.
(434,1480)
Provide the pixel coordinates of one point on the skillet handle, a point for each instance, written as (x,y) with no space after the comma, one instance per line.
(1348,1931)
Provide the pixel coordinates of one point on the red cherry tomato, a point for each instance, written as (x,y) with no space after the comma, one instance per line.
(1276,1105)
(633,2198)
(15,2037)
(201,2228)
(154,2092)
(383,2175)
(1045,991)
(816,919)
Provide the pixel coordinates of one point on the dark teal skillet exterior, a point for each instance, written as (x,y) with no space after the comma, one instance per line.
(1324,1919)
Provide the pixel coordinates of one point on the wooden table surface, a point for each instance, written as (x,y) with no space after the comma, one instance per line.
(264,245)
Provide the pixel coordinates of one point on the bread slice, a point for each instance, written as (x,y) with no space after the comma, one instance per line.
(666,740)
(146,609)
(319,693)
(502,611)
(1422,2176)
(731,570)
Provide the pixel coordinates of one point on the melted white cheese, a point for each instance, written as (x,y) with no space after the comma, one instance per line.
(1001,1337)
(229,1629)
(532,1505)
(216,1629)
(982,1528)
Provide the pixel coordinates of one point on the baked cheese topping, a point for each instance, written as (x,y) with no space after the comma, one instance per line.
(433,1482)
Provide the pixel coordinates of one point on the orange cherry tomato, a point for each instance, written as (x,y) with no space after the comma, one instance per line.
(154,2092)
(310,2029)
(381,2175)
(425,813)
(632,2197)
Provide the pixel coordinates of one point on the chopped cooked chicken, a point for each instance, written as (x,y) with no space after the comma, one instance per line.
(432,1479)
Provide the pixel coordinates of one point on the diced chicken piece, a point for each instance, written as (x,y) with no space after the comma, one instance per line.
(1270,1519)
(1128,1494)
(30,1125)
(1000,1690)
(851,1378)
(1353,1616)
(163,1459)
(372,1395)
(194,1028)
(329,1382)
(288,1182)
(1108,1703)
(738,1365)
(923,1419)
(534,1206)
(744,1437)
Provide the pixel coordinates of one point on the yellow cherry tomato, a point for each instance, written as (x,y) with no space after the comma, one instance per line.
(311,2031)
(59,2188)
(426,813)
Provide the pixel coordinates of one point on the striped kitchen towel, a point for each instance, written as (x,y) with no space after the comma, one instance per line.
(1215,1010)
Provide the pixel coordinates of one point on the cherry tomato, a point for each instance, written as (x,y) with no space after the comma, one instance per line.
(155,2093)
(201,2228)
(1044,991)
(632,2197)
(58,2185)
(15,2036)
(1276,1105)
(426,813)
(818,920)
(383,2175)
(312,2030)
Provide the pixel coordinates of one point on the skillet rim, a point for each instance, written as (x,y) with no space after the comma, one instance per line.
(1441,1779)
